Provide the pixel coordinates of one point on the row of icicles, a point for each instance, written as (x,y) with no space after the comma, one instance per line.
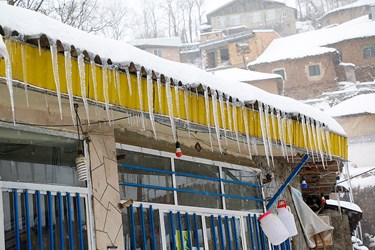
(314,135)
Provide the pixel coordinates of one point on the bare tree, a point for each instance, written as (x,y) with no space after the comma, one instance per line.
(28,4)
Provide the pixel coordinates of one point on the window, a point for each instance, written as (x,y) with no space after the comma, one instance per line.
(280,72)
(255,16)
(220,21)
(369,52)
(224,54)
(158,52)
(284,14)
(314,70)
(235,20)
(271,15)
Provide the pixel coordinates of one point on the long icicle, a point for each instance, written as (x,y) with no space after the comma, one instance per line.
(187,113)
(304,132)
(222,114)
(216,119)
(281,137)
(105,90)
(264,132)
(158,83)
(309,136)
(55,70)
(284,130)
(235,125)
(82,81)
(129,81)
(8,73)
(228,113)
(69,83)
(150,100)
(206,101)
(118,85)
(290,137)
(24,72)
(177,98)
(140,97)
(94,83)
(317,127)
(269,135)
(168,93)
(246,124)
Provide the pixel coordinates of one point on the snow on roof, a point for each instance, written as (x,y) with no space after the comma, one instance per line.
(242,75)
(160,41)
(30,23)
(345,204)
(360,3)
(361,104)
(361,177)
(313,42)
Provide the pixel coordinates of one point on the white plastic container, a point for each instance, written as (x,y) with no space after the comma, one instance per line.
(287,218)
(273,228)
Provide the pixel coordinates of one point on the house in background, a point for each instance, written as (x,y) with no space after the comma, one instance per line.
(272,83)
(256,14)
(164,47)
(346,13)
(317,60)
(235,50)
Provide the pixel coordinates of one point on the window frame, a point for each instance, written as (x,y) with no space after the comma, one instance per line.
(314,70)
(158,52)
(369,51)
(256,16)
(283,75)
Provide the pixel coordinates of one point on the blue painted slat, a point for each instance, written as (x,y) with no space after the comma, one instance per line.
(132,227)
(79,218)
(70,221)
(27,214)
(228,233)
(251,231)
(153,241)
(50,221)
(282,246)
(235,235)
(189,175)
(213,232)
(39,217)
(61,215)
(276,247)
(264,240)
(196,230)
(180,230)
(287,243)
(191,191)
(257,231)
(16,219)
(171,223)
(188,229)
(221,232)
(143,230)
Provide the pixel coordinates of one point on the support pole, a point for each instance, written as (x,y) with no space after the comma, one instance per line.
(288,180)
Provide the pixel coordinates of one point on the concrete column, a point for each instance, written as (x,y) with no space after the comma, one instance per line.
(105,185)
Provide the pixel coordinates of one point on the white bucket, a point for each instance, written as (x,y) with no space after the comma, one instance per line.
(287,218)
(273,228)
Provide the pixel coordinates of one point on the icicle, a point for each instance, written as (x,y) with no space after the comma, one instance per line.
(268,130)
(274,130)
(284,127)
(228,113)
(168,93)
(55,69)
(281,135)
(158,83)
(187,113)
(94,82)
(206,101)
(304,132)
(140,97)
(45,100)
(24,72)
(235,125)
(264,131)
(118,84)
(8,73)
(328,139)
(82,81)
(150,100)
(177,98)
(129,82)
(39,48)
(216,119)
(254,145)
(222,114)
(246,124)
(317,127)
(314,135)
(105,89)
(69,84)
(310,139)
(289,126)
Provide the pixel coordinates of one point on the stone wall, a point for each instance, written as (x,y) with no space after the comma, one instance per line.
(364,198)
(105,187)
(341,234)
(365,73)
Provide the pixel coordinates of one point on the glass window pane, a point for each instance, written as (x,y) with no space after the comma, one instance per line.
(195,184)
(142,184)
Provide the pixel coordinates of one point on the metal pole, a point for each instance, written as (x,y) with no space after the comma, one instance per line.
(288,180)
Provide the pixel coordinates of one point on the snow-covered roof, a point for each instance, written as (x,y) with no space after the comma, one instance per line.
(313,43)
(160,41)
(30,23)
(344,204)
(363,177)
(361,104)
(242,75)
(360,3)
